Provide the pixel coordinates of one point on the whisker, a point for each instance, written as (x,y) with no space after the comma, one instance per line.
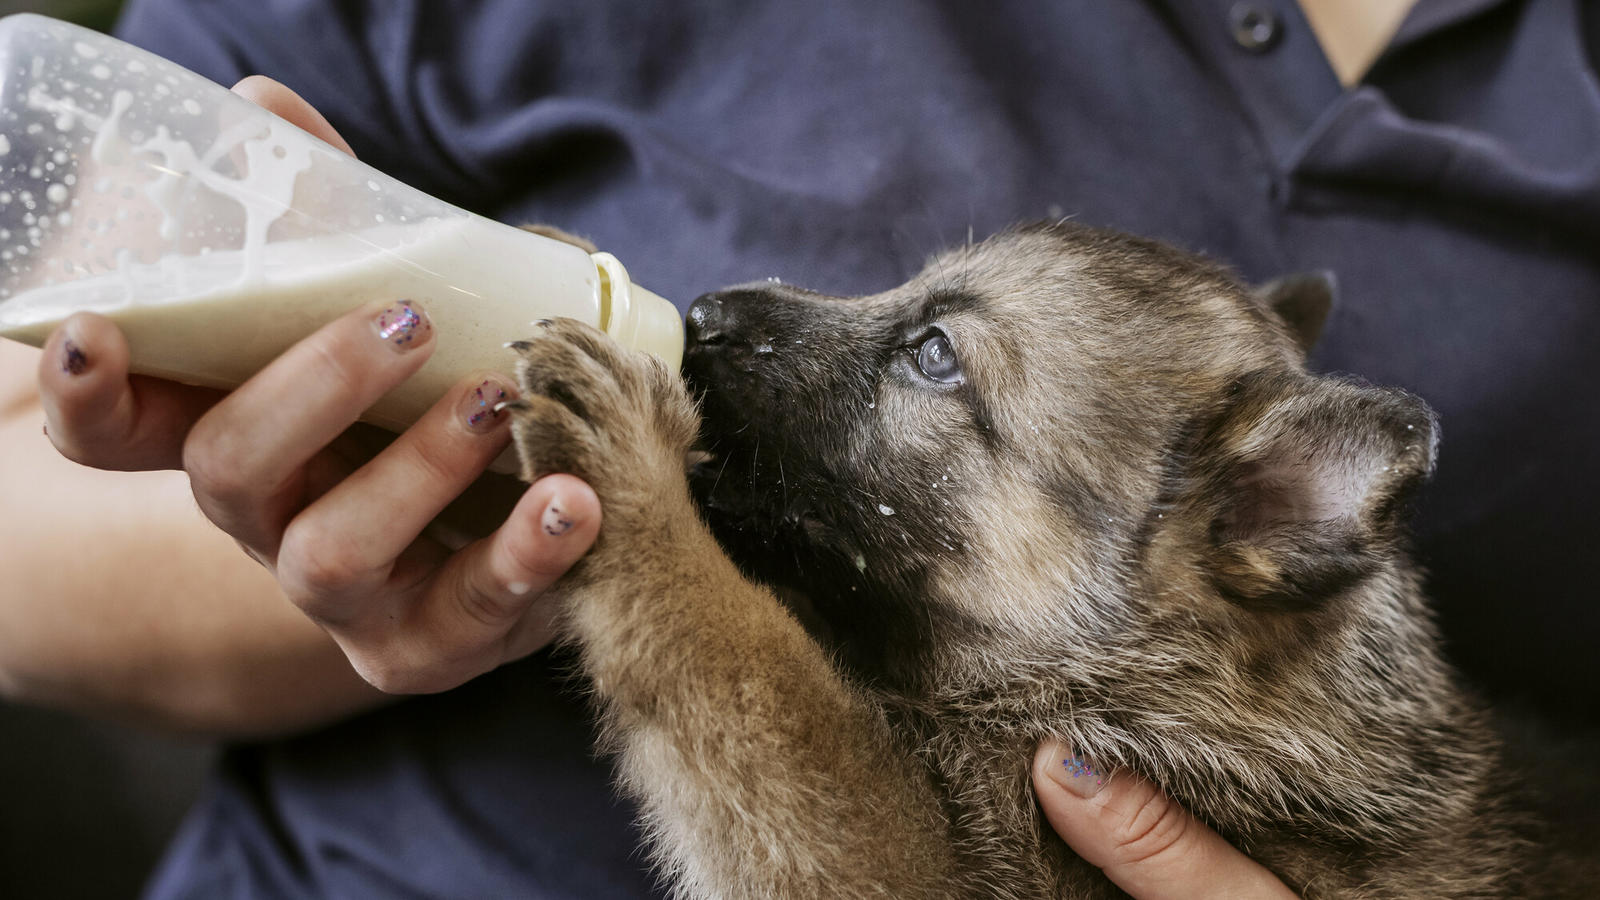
(718,479)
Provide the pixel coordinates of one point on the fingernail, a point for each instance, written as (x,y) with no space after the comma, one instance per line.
(556,520)
(403,326)
(73,359)
(1075,773)
(483,408)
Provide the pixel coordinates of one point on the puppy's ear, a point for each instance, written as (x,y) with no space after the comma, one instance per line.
(1302,302)
(1305,479)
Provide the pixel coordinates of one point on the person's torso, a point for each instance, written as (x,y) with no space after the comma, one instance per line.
(1455,195)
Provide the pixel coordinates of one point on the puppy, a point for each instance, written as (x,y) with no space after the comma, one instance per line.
(1064,483)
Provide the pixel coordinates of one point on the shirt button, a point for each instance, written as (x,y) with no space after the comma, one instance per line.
(1255,26)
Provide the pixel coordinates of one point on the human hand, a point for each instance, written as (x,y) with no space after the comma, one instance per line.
(341,534)
(1145,843)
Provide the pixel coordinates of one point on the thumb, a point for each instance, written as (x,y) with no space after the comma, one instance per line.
(553,525)
(1130,829)
(279,100)
(482,609)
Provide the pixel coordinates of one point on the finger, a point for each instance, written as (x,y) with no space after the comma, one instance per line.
(245,457)
(485,607)
(286,104)
(97,415)
(101,417)
(338,552)
(1146,843)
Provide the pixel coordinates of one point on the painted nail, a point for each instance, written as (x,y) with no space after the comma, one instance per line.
(403,325)
(483,409)
(556,521)
(1079,776)
(73,360)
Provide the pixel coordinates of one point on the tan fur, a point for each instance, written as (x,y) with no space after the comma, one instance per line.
(1137,524)
(700,670)
(565,237)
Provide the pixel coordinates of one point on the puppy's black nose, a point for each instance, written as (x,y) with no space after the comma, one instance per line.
(705,321)
(725,317)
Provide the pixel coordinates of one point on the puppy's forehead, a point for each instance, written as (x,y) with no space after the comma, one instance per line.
(1104,292)
(1092,353)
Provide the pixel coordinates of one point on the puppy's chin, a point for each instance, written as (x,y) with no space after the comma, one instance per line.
(746,516)
(814,569)
(771,534)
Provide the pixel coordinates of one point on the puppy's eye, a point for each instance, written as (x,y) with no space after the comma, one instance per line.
(937,359)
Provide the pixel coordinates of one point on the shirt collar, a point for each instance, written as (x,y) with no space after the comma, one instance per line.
(1428,17)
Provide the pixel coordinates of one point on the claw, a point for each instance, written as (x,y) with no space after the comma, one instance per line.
(544,323)
(513,405)
(518,346)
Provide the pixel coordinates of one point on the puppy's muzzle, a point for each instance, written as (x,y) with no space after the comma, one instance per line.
(720,318)
(725,332)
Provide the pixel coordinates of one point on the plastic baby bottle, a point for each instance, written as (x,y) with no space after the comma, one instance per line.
(216,234)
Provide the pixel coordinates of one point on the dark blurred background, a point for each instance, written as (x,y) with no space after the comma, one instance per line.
(98,14)
(85,806)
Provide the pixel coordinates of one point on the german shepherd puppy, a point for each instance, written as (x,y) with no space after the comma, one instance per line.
(1064,483)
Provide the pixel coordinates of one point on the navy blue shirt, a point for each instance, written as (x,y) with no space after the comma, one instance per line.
(1455,193)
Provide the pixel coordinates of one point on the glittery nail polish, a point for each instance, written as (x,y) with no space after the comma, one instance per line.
(403,325)
(1079,776)
(483,407)
(73,359)
(556,520)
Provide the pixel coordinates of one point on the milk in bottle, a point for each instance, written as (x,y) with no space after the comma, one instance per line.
(216,235)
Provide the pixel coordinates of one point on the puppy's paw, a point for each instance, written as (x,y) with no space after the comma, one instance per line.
(617,418)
